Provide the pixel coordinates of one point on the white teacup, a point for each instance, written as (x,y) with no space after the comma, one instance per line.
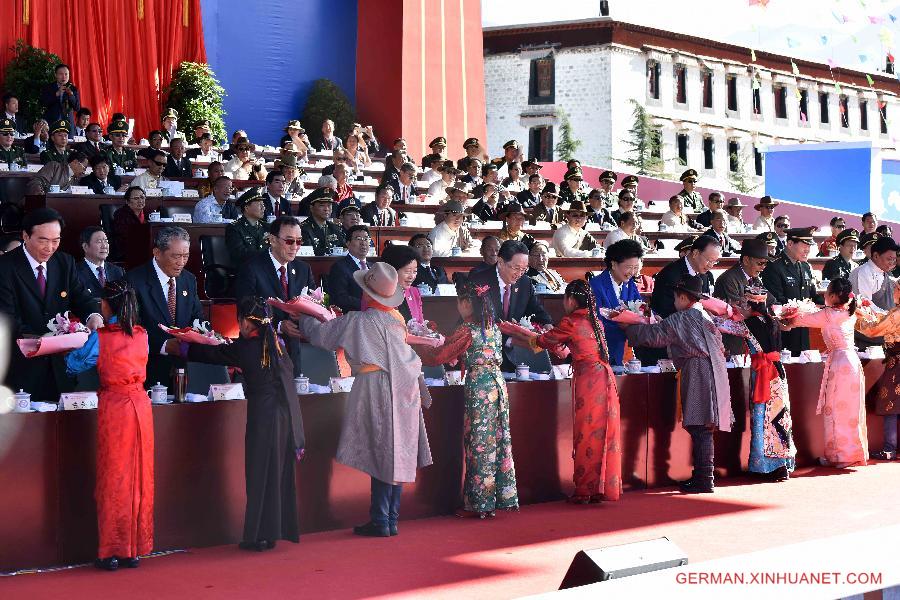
(301,384)
(523,372)
(454,377)
(154,216)
(633,366)
(54,189)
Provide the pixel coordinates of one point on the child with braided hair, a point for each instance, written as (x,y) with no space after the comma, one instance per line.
(274,438)
(490,481)
(595,400)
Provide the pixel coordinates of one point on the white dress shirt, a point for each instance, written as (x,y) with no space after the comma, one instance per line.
(614,236)
(567,242)
(95,269)
(869,279)
(146,181)
(764,223)
(34,265)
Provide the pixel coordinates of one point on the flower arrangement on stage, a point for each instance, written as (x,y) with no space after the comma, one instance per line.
(64,324)
(200,332)
(793,308)
(423,333)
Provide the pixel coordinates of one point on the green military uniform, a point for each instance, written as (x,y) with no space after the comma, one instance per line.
(788,280)
(693,201)
(52,154)
(610,199)
(126,159)
(168,138)
(14,154)
(838,267)
(322,238)
(243,239)
(568,196)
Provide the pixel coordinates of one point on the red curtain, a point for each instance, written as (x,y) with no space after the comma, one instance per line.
(120,60)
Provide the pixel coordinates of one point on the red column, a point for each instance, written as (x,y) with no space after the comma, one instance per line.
(420,73)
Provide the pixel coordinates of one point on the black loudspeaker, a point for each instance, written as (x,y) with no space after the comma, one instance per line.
(615,562)
(604,8)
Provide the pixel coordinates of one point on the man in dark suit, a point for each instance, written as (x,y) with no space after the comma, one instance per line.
(342,288)
(427,273)
(789,277)
(167,295)
(717,229)
(278,273)
(379,213)
(36,284)
(490,249)
(100,176)
(94,271)
(273,198)
(716,202)
(531,197)
(11,112)
(731,285)
(511,292)
(702,257)
(61,98)
(93,145)
(177,164)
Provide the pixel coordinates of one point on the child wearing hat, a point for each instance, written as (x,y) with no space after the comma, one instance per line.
(695,346)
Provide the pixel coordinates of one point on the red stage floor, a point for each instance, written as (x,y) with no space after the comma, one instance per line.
(512,555)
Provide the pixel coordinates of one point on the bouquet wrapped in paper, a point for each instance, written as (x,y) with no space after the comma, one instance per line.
(199,332)
(313,304)
(868,314)
(423,333)
(66,333)
(525,329)
(793,309)
(633,312)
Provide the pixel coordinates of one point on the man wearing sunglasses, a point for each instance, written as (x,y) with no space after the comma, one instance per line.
(782,224)
(117,154)
(9,153)
(149,179)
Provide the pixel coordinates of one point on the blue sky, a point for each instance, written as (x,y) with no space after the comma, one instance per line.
(840,30)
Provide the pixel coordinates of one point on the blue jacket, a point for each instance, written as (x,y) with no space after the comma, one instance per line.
(605,294)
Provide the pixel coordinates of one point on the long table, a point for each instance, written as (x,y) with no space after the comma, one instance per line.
(47,462)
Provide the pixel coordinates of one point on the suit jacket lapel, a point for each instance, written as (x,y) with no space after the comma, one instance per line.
(154,290)
(295,286)
(182,301)
(23,268)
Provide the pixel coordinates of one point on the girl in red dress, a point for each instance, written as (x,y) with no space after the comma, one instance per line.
(124,489)
(598,452)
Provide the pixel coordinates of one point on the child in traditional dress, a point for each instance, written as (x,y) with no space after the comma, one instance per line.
(274,438)
(490,481)
(124,488)
(695,346)
(598,452)
(842,395)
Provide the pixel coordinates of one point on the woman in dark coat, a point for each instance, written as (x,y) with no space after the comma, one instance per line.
(124,218)
(274,439)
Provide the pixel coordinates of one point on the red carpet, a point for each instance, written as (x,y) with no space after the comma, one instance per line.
(512,555)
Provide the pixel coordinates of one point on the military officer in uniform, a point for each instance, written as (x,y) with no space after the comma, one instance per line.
(607,181)
(789,277)
(438,152)
(630,183)
(843,263)
(170,125)
(318,230)
(247,235)
(9,153)
(771,241)
(510,154)
(571,190)
(117,154)
(692,199)
(57,150)
(473,150)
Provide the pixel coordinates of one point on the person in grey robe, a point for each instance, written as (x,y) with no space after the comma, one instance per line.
(695,346)
(383,433)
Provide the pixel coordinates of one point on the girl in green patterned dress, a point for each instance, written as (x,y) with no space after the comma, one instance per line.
(490,481)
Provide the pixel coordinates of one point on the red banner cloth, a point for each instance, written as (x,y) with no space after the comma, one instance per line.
(119,62)
(763,364)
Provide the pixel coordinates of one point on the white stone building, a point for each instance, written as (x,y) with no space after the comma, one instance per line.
(709,99)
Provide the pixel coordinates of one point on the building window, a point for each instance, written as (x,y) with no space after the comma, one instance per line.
(882,114)
(707,89)
(823,107)
(863,115)
(733,150)
(681,141)
(653,76)
(708,151)
(757,102)
(542,83)
(731,85)
(540,143)
(757,161)
(780,101)
(844,103)
(680,84)
(804,106)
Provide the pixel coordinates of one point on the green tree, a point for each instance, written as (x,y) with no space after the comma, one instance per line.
(644,144)
(327,101)
(567,146)
(740,177)
(197,96)
(29,70)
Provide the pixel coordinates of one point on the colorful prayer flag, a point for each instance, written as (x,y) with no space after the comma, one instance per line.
(792,43)
(869,79)
(876,20)
(893,18)
(863,58)
(837,87)
(831,63)
(752,55)
(794,69)
(824,40)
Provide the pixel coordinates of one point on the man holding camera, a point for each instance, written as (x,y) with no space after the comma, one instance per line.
(60,99)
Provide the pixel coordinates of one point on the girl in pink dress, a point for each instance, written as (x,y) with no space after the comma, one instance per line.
(842,395)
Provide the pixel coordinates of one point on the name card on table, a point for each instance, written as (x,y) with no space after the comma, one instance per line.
(226,391)
(77,139)
(33,168)
(153,193)
(593,227)
(78,400)
(4,167)
(81,189)
(181,218)
(543,225)
(190,194)
(305,251)
(446,289)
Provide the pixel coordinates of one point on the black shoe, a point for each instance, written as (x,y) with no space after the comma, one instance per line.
(883,455)
(371,529)
(259,546)
(270,544)
(780,474)
(107,564)
(392,527)
(131,562)
(692,486)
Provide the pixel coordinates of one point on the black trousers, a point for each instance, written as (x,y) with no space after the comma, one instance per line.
(702,448)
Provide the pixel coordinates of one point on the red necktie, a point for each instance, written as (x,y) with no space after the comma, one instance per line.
(284,282)
(101,276)
(171,299)
(506,295)
(41,280)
